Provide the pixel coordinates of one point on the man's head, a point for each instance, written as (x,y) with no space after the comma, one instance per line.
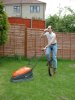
(49,29)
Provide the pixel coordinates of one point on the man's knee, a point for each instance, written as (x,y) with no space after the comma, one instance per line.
(54,57)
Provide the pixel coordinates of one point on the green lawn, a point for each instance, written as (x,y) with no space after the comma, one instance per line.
(43,87)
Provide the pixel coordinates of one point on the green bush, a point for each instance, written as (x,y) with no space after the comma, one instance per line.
(64,23)
(3,25)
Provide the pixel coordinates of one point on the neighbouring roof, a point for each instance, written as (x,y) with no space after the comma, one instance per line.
(21,1)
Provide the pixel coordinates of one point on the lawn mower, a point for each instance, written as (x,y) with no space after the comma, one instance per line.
(23,74)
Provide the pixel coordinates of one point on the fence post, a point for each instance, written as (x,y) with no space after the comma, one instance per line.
(25,45)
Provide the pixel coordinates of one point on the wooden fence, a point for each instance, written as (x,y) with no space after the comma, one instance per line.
(29,23)
(27,42)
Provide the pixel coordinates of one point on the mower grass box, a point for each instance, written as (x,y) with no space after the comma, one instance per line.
(24,73)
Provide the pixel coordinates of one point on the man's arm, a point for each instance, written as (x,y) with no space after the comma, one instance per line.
(45,30)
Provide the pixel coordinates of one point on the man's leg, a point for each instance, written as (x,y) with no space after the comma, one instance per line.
(54,57)
(47,53)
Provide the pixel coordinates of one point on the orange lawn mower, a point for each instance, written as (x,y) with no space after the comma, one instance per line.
(23,74)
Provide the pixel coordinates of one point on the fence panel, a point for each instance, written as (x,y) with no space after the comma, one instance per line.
(16,40)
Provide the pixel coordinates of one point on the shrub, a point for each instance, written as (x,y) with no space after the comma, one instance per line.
(3,25)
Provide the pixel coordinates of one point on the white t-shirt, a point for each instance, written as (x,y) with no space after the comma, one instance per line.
(51,37)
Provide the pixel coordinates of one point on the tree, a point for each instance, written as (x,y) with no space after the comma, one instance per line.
(3,25)
(64,23)
(56,22)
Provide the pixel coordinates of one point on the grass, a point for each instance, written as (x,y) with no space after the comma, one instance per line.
(42,87)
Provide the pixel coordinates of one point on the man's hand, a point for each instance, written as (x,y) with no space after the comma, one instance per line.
(44,49)
(45,30)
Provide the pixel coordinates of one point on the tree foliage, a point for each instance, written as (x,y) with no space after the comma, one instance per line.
(3,25)
(64,23)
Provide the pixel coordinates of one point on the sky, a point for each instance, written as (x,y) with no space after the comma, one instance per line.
(52,6)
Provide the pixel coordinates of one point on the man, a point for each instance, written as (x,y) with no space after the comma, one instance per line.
(51,48)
